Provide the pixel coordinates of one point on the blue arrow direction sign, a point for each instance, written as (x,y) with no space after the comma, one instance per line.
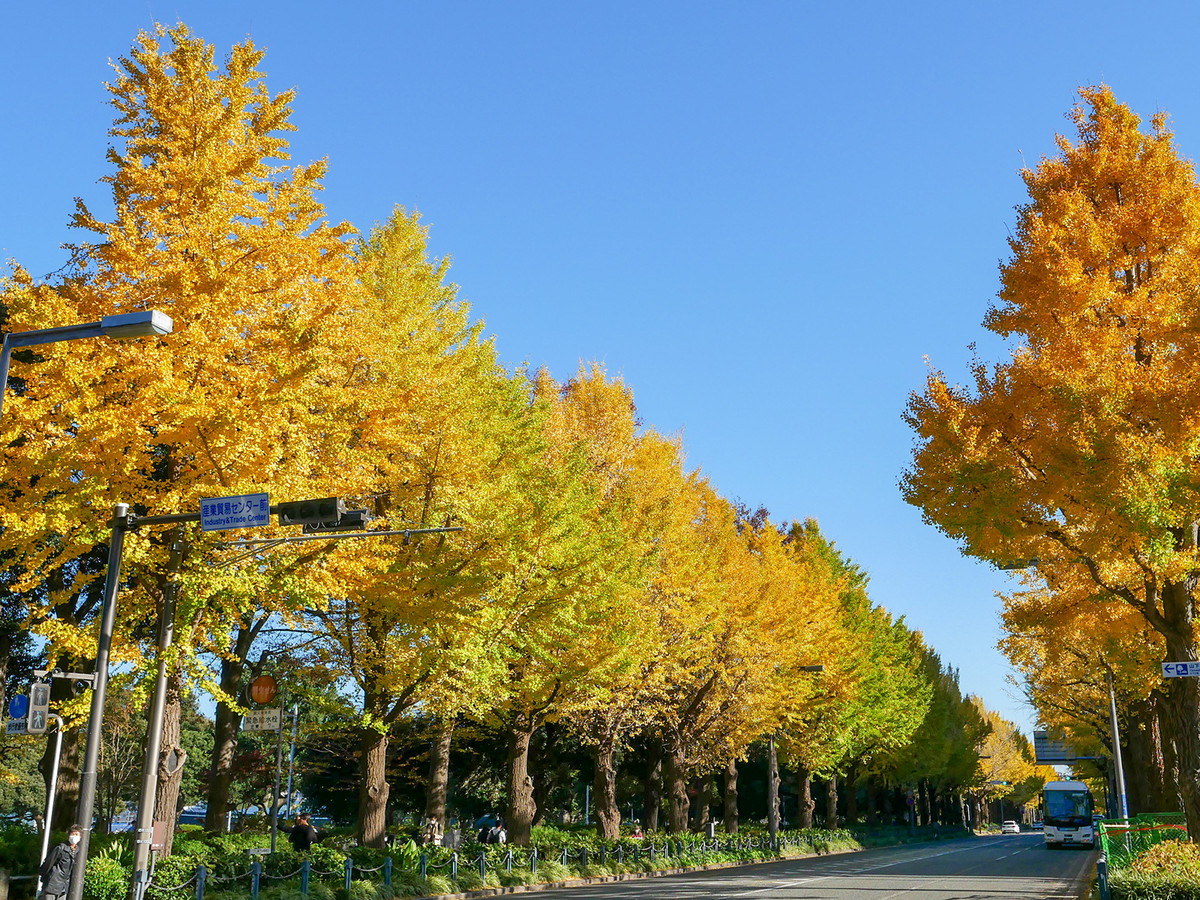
(1181,670)
(244,511)
(18,706)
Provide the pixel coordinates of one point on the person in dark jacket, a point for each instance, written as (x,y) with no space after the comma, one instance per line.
(302,834)
(56,868)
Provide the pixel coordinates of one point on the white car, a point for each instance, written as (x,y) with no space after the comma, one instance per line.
(1009,827)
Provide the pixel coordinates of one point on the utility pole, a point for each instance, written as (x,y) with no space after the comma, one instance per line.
(772,791)
(1119,770)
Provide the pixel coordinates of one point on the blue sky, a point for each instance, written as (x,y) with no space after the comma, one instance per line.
(764,215)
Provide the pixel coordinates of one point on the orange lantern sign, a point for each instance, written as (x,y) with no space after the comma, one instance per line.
(263,689)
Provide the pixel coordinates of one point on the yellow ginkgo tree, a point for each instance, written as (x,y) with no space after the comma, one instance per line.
(575,586)
(1079,454)
(210,225)
(1067,643)
(442,437)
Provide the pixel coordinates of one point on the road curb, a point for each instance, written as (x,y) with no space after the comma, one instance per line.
(1087,878)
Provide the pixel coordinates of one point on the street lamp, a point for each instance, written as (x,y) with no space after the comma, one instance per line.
(147,323)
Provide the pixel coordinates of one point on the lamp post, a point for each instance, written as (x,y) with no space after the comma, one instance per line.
(147,323)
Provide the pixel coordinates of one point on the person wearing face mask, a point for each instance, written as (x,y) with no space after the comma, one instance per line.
(57,867)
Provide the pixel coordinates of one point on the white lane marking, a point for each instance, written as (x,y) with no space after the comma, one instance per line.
(810,879)
(916,857)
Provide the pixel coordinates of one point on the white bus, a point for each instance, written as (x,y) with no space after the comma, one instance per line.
(1067,814)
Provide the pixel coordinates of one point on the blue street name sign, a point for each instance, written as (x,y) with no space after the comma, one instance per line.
(1181,670)
(245,511)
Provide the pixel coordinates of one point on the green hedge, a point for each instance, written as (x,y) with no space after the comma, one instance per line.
(228,864)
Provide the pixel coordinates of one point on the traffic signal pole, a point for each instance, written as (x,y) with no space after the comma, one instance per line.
(49,819)
(91,753)
(122,522)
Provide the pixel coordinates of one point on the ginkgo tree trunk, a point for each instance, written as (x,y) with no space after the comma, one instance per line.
(1079,454)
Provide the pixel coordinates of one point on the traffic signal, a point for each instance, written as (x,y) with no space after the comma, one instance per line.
(349,520)
(39,708)
(326,511)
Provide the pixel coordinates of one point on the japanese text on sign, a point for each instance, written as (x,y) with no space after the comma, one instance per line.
(246,511)
(263,719)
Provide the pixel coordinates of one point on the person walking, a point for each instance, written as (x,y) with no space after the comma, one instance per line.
(58,865)
(302,835)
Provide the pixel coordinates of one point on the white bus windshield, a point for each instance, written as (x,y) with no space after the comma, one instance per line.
(1068,808)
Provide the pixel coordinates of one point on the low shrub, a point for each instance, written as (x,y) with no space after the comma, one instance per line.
(552,870)
(1170,858)
(436,884)
(469,880)
(283,892)
(406,884)
(1127,885)
(170,875)
(517,877)
(20,850)
(106,879)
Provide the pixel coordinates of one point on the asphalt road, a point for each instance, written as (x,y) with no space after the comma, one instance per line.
(1009,867)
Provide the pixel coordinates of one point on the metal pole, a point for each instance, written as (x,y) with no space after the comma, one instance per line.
(91,753)
(772,790)
(1122,804)
(143,832)
(275,789)
(53,789)
(5,355)
(292,758)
